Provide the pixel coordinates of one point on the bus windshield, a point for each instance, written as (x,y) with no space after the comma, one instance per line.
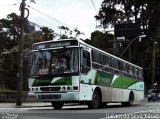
(57,61)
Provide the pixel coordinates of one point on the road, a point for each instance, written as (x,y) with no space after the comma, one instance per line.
(80,111)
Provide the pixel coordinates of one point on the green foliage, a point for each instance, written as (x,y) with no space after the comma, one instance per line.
(65,32)
(4,88)
(9,49)
(145,12)
(9,36)
(46,33)
(102,40)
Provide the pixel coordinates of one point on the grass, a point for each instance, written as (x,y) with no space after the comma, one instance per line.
(4,88)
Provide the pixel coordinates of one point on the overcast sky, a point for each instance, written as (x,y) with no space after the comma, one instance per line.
(71,13)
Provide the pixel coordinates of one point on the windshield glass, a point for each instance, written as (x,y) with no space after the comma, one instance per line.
(55,61)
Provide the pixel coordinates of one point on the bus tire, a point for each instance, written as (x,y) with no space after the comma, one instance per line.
(103,104)
(57,105)
(96,100)
(130,100)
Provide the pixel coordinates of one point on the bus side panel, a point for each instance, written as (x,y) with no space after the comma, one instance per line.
(116,94)
(75,82)
(87,85)
(86,92)
(122,86)
(125,95)
(139,91)
(106,94)
(139,95)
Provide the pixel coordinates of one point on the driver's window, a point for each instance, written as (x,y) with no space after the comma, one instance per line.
(41,63)
(62,63)
(59,62)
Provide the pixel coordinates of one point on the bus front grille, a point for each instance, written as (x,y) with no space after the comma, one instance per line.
(50,88)
(49,96)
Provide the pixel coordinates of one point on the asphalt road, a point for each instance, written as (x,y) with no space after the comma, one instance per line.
(80,112)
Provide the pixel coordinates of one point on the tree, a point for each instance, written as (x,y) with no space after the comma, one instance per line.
(77,32)
(102,40)
(65,32)
(46,33)
(145,12)
(9,33)
(9,50)
(9,36)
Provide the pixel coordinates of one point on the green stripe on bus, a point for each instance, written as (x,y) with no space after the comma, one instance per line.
(64,81)
(42,81)
(123,82)
(103,78)
(48,81)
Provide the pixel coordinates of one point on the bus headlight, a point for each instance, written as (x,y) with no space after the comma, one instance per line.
(34,89)
(63,88)
(37,89)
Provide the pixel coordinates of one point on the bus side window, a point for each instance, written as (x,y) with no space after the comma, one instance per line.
(106,63)
(133,71)
(113,63)
(124,67)
(136,71)
(127,67)
(97,60)
(121,68)
(130,70)
(120,65)
(110,61)
(140,74)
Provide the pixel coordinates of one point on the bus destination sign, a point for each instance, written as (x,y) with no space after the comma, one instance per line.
(54,44)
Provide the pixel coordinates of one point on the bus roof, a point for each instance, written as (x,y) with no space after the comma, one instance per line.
(82,42)
(108,54)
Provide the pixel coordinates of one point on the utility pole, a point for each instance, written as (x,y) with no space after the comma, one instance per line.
(153,63)
(21,53)
(129,49)
(128,46)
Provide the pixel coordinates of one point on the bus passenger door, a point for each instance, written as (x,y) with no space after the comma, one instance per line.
(85,61)
(85,66)
(85,81)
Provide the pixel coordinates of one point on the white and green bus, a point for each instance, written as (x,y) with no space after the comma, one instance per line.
(71,71)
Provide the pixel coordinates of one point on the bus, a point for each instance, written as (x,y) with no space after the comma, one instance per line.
(72,71)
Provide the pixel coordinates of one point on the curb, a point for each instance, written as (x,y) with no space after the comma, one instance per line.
(30,105)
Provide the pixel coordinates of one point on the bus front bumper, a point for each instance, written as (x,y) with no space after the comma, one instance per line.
(67,96)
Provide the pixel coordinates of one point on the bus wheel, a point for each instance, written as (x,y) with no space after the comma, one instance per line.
(130,100)
(95,103)
(103,105)
(57,105)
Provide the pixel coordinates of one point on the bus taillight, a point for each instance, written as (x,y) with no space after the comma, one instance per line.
(75,87)
(68,88)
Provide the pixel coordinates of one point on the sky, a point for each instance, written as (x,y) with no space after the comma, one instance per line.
(71,13)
